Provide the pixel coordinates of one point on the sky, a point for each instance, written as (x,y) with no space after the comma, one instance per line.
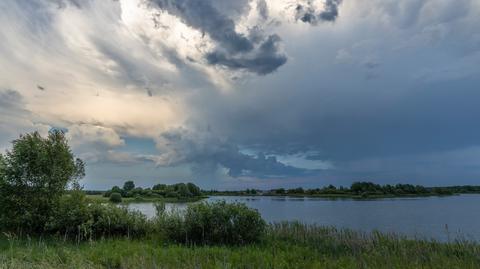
(248,93)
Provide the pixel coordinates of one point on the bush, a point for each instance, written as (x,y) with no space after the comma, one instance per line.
(71,218)
(213,223)
(115,197)
(76,219)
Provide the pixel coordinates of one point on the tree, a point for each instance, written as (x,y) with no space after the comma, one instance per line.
(33,177)
(182,190)
(128,186)
(115,197)
(116,189)
(2,166)
(194,189)
(159,187)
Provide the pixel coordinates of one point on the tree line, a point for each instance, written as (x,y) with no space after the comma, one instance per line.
(129,190)
(359,189)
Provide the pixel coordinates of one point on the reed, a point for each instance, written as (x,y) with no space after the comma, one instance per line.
(284,245)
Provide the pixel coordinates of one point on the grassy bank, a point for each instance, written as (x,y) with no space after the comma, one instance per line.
(283,246)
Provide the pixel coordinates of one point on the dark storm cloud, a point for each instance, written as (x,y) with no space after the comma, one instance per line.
(264,61)
(360,125)
(207,153)
(262,9)
(308,14)
(234,50)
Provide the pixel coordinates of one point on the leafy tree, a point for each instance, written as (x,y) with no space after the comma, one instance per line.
(115,197)
(116,189)
(128,186)
(159,187)
(2,166)
(194,189)
(280,191)
(182,190)
(33,177)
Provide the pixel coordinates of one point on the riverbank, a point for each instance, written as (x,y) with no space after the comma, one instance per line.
(336,196)
(102,199)
(283,246)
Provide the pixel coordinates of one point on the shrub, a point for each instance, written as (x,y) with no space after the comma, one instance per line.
(115,197)
(110,220)
(213,223)
(71,218)
(76,219)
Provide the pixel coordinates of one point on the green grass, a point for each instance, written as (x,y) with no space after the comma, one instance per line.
(102,199)
(283,246)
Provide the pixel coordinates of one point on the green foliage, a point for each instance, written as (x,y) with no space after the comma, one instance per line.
(115,197)
(33,178)
(213,223)
(178,191)
(76,219)
(128,186)
(159,187)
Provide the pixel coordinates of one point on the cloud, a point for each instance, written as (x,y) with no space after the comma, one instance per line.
(263,61)
(82,134)
(262,8)
(65,3)
(208,153)
(308,13)
(233,50)
(16,119)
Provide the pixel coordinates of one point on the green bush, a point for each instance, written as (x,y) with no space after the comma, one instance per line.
(115,197)
(77,219)
(212,223)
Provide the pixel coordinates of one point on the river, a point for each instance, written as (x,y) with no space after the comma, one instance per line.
(440,218)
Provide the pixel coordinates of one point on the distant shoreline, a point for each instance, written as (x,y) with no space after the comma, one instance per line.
(101,199)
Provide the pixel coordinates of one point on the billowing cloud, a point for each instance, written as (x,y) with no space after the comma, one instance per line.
(208,153)
(233,50)
(307,12)
(91,134)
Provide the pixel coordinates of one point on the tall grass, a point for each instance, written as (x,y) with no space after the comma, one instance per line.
(284,245)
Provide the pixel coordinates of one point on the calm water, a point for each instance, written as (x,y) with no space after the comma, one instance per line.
(441,218)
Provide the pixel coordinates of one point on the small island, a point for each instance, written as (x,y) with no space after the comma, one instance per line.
(175,193)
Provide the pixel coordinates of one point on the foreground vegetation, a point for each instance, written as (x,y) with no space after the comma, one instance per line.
(358,190)
(287,245)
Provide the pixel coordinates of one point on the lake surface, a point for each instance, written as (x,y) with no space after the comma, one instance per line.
(440,218)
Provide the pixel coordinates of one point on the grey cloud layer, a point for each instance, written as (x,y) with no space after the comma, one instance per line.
(308,14)
(235,51)
(208,153)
